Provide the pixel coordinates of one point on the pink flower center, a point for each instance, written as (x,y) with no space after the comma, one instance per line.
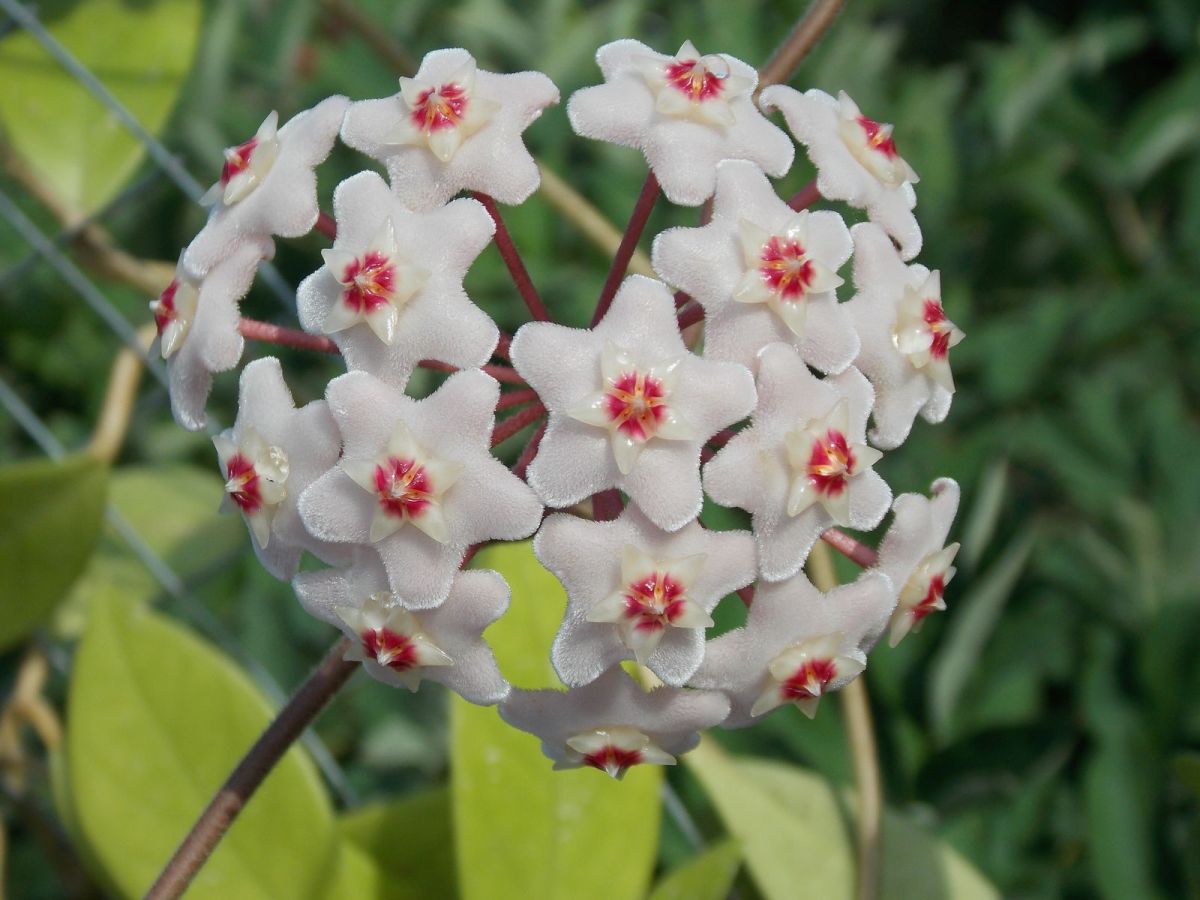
(386,647)
(636,403)
(237,160)
(370,281)
(610,757)
(878,138)
(692,79)
(785,267)
(242,483)
(404,487)
(440,107)
(831,463)
(810,680)
(655,601)
(164,310)
(929,603)
(940,327)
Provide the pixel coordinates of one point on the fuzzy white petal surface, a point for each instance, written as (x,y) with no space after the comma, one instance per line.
(682,153)
(671,717)
(213,343)
(586,557)
(285,203)
(784,614)
(437,322)
(812,117)
(493,160)
(564,366)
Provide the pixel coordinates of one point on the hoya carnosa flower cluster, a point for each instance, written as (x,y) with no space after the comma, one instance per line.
(785,413)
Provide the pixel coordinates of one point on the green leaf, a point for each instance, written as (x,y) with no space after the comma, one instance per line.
(793,826)
(187,532)
(141,51)
(707,876)
(971,626)
(50,514)
(522,829)
(800,842)
(411,841)
(156,721)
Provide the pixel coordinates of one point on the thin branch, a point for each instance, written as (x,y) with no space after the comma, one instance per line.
(298,714)
(629,242)
(516,398)
(860,732)
(502,345)
(607,505)
(512,259)
(690,315)
(803,37)
(855,551)
(514,423)
(575,208)
(805,197)
(119,398)
(326,225)
(521,466)
(500,373)
(286,337)
(377,39)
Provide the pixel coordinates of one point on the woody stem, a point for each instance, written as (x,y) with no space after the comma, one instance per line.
(629,242)
(512,259)
(310,698)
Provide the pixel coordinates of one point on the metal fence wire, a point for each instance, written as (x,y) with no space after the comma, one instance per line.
(49,249)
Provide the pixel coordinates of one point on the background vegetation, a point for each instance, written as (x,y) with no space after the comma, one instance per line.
(1046,727)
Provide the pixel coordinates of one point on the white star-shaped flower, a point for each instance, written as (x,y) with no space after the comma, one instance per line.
(915,556)
(763,273)
(197,323)
(685,112)
(402,647)
(611,724)
(801,467)
(636,591)
(417,480)
(272,453)
(453,127)
(390,293)
(798,644)
(905,337)
(629,406)
(267,185)
(856,159)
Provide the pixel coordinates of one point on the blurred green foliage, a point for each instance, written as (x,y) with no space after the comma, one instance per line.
(1047,725)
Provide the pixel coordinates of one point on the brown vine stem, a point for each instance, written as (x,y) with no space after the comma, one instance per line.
(802,38)
(860,731)
(310,698)
(629,242)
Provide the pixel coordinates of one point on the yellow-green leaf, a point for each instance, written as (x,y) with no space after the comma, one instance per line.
(521,829)
(793,827)
(156,720)
(707,876)
(50,515)
(141,51)
(411,842)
